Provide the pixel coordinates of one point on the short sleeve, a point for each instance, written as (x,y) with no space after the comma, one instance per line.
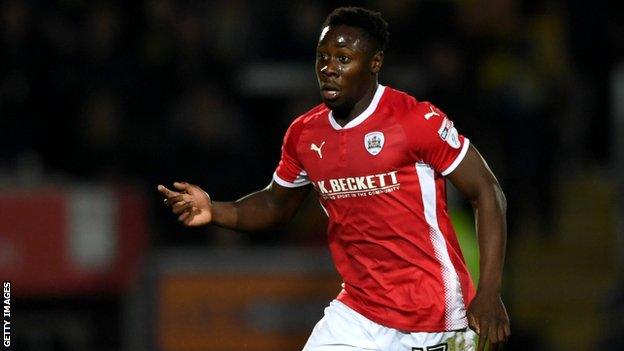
(289,172)
(434,138)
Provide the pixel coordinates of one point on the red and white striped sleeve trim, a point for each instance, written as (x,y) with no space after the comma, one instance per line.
(301,180)
(458,159)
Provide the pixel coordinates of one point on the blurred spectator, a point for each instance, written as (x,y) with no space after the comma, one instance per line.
(99,131)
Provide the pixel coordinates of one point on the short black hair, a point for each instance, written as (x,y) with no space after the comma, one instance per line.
(369,21)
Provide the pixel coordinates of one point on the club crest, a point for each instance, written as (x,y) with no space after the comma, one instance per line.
(373,142)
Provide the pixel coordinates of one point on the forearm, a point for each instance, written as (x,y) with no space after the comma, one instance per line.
(490,212)
(256,211)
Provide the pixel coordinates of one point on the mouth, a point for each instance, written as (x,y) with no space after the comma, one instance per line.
(329,91)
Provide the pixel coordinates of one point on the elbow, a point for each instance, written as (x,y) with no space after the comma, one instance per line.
(501,200)
(280,215)
(498,196)
(490,196)
(280,222)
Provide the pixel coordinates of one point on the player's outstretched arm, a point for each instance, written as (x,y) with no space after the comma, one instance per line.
(267,208)
(486,314)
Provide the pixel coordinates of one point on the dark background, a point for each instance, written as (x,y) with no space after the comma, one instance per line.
(137,93)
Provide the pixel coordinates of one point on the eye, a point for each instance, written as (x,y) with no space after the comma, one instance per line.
(344,59)
(321,56)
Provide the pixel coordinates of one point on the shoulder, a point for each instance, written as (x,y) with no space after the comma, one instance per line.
(412,113)
(312,116)
(398,101)
(422,122)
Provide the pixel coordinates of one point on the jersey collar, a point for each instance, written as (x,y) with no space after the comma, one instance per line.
(364,115)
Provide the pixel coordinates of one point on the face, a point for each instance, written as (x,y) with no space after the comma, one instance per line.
(346,66)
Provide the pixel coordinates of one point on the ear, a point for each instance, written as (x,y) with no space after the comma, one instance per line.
(376,62)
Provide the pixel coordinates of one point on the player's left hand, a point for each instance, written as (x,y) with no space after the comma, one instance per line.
(487,316)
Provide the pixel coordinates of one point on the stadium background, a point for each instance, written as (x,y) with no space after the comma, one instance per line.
(100,101)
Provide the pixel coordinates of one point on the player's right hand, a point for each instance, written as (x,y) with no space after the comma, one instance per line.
(192,205)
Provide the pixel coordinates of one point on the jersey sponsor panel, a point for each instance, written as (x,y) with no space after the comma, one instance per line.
(367,185)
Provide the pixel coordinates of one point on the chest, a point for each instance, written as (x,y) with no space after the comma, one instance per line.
(362,151)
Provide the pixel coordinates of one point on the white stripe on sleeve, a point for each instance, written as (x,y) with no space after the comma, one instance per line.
(459,158)
(301,180)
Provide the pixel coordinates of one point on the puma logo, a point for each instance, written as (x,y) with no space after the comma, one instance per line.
(431,114)
(313,147)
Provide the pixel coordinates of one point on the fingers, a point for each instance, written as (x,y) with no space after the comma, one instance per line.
(504,332)
(497,336)
(481,344)
(184,216)
(475,324)
(173,197)
(175,200)
(181,206)
(165,191)
(493,339)
(483,338)
(181,185)
(170,196)
(186,211)
(502,338)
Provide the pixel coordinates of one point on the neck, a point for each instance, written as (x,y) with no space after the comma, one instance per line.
(344,116)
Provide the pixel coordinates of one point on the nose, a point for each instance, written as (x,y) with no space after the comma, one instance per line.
(329,68)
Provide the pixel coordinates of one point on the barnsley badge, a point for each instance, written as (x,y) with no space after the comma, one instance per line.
(373,142)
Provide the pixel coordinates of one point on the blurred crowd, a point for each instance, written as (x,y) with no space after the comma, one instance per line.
(139,93)
(145,92)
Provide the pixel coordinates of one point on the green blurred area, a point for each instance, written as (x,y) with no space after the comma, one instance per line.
(463,221)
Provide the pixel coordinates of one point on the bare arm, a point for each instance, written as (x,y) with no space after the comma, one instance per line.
(486,314)
(267,208)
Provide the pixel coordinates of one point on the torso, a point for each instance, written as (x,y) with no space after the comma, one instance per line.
(389,231)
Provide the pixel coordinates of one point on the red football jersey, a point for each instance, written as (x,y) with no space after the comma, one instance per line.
(380,178)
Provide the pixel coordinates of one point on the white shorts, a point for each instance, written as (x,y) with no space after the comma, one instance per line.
(343,329)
